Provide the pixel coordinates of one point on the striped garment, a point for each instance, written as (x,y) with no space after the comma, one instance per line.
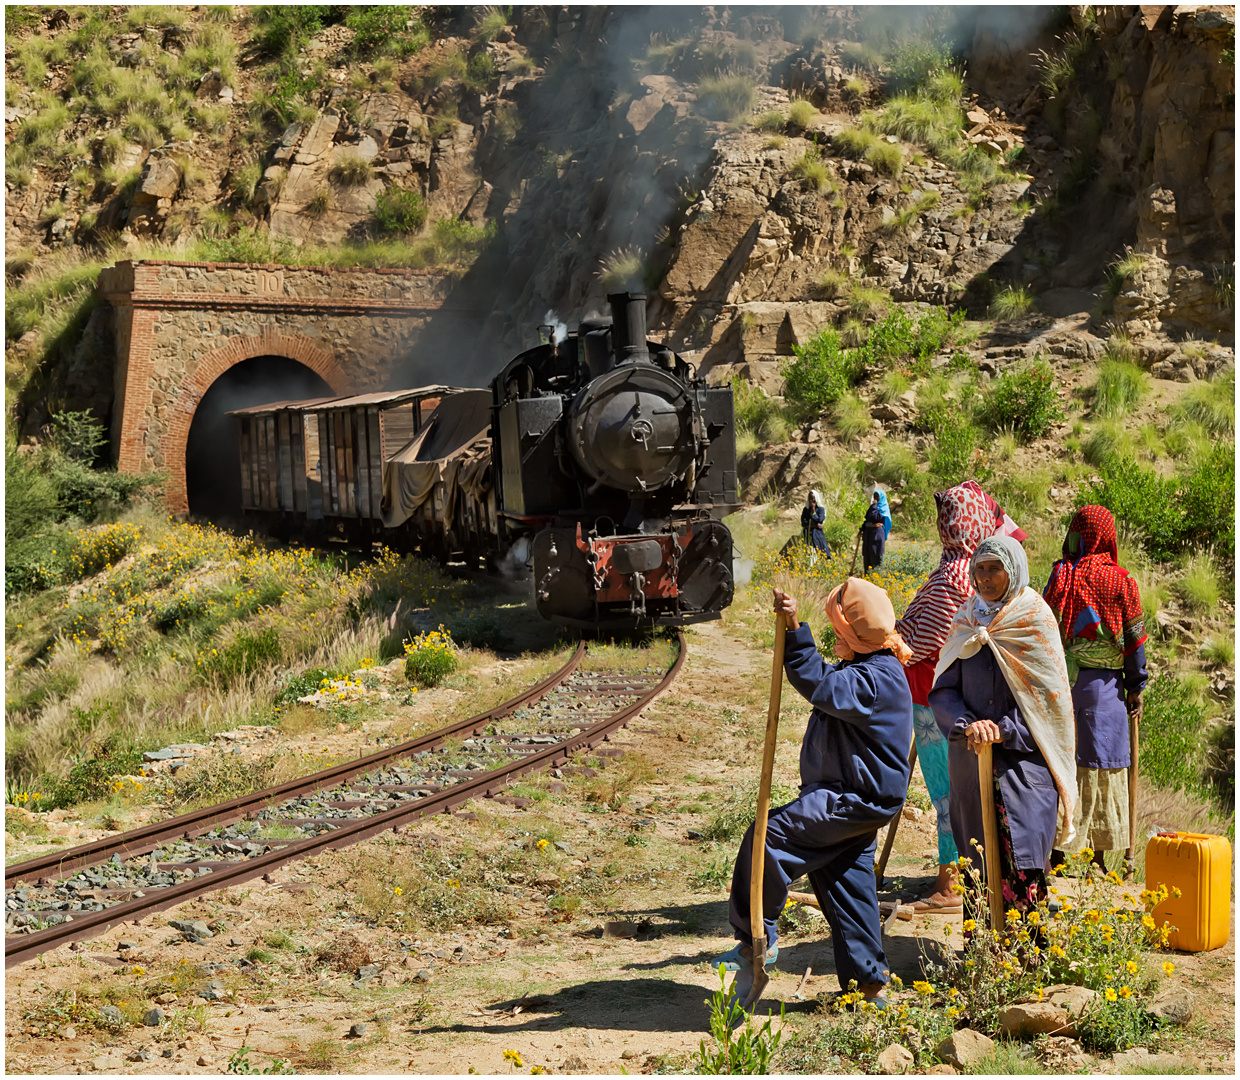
(964,520)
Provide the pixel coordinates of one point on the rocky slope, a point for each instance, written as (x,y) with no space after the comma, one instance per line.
(590,134)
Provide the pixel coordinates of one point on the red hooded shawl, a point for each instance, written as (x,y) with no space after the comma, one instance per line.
(1088,588)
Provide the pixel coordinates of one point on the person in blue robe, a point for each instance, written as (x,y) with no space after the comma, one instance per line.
(854,777)
(812,518)
(873,535)
(972,702)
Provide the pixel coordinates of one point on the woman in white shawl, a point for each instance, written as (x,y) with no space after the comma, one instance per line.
(1001,678)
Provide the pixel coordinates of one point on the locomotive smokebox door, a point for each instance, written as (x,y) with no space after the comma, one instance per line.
(633,429)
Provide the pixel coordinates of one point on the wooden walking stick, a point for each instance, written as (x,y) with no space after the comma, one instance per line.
(881,866)
(856,548)
(990,835)
(1134,751)
(757,927)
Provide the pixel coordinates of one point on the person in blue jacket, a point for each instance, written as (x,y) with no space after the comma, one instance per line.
(873,535)
(812,518)
(854,777)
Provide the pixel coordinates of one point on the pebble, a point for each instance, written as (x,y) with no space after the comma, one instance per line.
(356,1031)
(153,1018)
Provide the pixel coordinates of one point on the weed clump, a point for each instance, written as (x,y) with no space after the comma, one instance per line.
(430,657)
(1025,400)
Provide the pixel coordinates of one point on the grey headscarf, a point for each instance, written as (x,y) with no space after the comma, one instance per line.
(1009,552)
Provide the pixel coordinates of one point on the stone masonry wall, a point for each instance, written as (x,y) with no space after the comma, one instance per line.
(182,325)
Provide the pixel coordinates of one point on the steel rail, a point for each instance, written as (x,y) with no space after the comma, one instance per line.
(186,826)
(19,949)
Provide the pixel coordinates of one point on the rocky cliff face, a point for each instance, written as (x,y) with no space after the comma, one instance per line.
(594,140)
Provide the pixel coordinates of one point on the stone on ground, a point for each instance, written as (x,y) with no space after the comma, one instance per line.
(894,1060)
(964,1048)
(1173,1005)
(1029,1018)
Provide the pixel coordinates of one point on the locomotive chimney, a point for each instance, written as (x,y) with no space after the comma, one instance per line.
(628,327)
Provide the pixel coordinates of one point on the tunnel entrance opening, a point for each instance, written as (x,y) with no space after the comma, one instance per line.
(213,451)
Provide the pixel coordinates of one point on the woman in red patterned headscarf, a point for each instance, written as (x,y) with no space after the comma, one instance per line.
(1098,606)
(966,517)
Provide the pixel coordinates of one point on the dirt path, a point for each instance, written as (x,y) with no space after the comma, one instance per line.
(593,956)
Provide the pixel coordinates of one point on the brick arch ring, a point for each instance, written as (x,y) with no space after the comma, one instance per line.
(235,351)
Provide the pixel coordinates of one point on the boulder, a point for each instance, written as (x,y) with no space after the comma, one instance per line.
(1026,1019)
(894,1060)
(964,1048)
(1073,999)
(1171,1005)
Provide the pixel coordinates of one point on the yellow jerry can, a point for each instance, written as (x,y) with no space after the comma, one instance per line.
(1199,866)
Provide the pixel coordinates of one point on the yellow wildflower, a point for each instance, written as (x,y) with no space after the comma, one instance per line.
(1168,967)
(1110,993)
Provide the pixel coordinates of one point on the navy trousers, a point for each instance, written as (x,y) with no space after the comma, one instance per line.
(832,841)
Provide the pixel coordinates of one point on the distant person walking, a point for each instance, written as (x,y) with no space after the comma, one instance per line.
(874,535)
(1001,679)
(812,518)
(1098,605)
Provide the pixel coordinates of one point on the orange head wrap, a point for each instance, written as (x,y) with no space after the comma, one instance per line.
(864,620)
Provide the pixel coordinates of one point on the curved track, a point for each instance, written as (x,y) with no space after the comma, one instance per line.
(352,816)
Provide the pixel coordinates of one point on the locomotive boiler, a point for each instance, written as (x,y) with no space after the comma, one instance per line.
(613,465)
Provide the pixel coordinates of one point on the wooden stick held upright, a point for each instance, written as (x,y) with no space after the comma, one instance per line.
(856,548)
(880,868)
(757,927)
(1134,749)
(990,835)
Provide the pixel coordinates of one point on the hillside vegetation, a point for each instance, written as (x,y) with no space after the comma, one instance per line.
(917,261)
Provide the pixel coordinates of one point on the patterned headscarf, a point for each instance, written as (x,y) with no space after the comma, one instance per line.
(1004,525)
(1088,588)
(964,521)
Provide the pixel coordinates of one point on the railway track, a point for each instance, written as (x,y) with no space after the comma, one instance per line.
(77,894)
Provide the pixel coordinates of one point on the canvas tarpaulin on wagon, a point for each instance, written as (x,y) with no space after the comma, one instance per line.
(452,447)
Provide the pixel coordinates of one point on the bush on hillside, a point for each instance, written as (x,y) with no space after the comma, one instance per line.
(395,30)
(49,486)
(911,343)
(1025,400)
(821,373)
(1197,508)
(399,211)
(282,29)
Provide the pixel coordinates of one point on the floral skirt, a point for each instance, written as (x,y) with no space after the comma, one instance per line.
(1022,890)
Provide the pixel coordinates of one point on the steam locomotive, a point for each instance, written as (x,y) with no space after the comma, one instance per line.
(598,460)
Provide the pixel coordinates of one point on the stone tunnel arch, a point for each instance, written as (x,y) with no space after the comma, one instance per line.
(212,448)
(252,358)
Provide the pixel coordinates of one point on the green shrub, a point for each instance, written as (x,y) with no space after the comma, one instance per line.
(351,170)
(864,301)
(400,211)
(1025,400)
(282,29)
(916,62)
(1198,585)
(850,416)
(727,97)
(886,157)
(384,28)
(954,458)
(1206,496)
(430,658)
(740,1047)
(822,372)
(893,464)
(813,170)
(757,415)
(249,651)
(737,814)
(893,386)
(1142,499)
(93,779)
(1012,302)
(1171,725)
(802,113)
(1210,404)
(854,142)
(1119,388)
(771,122)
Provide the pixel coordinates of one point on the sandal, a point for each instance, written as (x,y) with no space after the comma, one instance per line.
(731,960)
